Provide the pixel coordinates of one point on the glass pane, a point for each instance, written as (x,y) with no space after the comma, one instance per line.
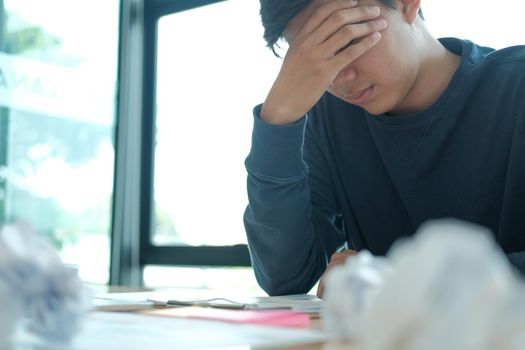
(57,102)
(211,73)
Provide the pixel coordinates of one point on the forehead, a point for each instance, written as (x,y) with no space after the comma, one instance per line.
(297,22)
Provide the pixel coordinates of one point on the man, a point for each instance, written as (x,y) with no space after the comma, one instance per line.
(373,127)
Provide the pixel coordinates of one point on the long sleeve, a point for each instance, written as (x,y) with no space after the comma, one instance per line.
(291,221)
(518,261)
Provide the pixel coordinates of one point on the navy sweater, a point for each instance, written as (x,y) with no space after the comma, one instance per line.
(341,177)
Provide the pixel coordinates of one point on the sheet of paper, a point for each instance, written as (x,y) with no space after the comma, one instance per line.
(115,330)
(108,304)
(300,302)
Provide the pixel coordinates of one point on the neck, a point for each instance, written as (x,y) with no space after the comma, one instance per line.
(435,72)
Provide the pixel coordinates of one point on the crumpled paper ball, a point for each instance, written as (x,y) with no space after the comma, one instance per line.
(37,289)
(10,312)
(355,283)
(450,287)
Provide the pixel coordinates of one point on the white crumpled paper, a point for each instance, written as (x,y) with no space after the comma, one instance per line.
(37,289)
(360,278)
(450,287)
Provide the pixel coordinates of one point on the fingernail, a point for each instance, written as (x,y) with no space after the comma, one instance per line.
(376,36)
(381,24)
(353,2)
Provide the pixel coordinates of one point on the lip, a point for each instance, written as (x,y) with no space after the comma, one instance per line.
(360,97)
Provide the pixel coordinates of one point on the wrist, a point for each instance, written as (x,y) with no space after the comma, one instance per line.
(278,115)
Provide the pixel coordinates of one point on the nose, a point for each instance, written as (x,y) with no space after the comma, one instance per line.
(346,75)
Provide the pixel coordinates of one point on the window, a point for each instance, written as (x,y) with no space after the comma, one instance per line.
(57,101)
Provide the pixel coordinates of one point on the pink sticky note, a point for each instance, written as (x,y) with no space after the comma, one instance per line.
(279,318)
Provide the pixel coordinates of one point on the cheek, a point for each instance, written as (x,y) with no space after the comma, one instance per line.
(393,61)
(348,73)
(384,66)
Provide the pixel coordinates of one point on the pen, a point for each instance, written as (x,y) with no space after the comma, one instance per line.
(230,305)
(234,306)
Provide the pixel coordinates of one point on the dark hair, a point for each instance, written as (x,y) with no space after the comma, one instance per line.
(275,15)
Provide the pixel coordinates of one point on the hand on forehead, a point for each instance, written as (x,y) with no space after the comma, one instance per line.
(316,3)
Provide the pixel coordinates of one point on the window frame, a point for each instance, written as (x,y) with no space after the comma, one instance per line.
(132,247)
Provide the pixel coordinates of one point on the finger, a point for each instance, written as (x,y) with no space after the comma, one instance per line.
(322,13)
(320,288)
(350,252)
(350,34)
(343,254)
(352,52)
(337,259)
(343,18)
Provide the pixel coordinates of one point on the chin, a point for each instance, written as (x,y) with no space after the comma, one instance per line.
(374,111)
(377,108)
(377,105)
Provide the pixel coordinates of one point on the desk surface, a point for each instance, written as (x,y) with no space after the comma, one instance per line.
(130,330)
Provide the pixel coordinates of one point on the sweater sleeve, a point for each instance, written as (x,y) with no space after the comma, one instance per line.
(291,221)
(518,261)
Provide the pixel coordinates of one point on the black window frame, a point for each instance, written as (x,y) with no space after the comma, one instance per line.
(130,254)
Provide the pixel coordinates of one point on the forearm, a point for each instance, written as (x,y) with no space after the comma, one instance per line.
(285,255)
(286,236)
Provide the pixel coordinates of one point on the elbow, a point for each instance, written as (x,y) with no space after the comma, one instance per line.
(277,289)
(277,286)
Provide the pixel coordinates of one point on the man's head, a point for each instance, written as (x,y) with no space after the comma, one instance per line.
(382,79)
(275,15)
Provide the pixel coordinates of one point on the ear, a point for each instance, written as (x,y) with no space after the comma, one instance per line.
(410,9)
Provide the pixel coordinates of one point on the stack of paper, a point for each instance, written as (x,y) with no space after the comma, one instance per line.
(109,304)
(305,303)
(300,302)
